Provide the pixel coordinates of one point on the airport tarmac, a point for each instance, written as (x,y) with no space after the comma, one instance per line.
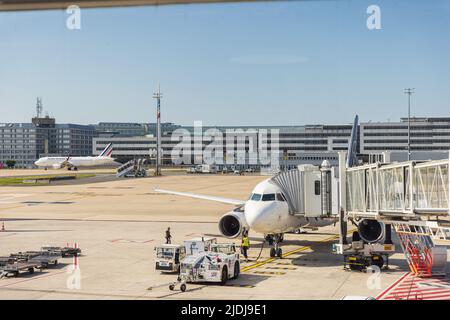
(118,223)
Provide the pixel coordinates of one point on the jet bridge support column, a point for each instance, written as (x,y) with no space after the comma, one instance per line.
(388,231)
(448,183)
(342,198)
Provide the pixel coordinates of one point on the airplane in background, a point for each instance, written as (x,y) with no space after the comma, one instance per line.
(267,211)
(74,162)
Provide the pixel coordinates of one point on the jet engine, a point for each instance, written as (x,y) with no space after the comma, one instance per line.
(371,230)
(232,224)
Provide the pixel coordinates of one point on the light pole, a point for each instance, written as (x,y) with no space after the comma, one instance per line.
(409,92)
(157,96)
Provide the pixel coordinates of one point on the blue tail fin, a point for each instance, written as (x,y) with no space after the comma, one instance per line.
(351,152)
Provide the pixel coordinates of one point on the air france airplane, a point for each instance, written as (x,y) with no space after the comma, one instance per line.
(266,211)
(74,162)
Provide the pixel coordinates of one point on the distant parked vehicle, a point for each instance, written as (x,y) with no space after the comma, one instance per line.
(224,170)
(191,170)
(208,168)
(249,170)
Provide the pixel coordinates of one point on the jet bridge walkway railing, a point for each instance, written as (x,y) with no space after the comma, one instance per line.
(406,189)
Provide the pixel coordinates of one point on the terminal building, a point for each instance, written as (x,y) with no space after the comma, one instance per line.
(130,129)
(24,143)
(307,144)
(429,140)
(297,144)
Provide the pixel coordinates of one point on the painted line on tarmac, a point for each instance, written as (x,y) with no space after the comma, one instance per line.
(109,220)
(33,278)
(282,268)
(392,286)
(236,285)
(287,254)
(24,205)
(76,293)
(258,264)
(272,273)
(12,198)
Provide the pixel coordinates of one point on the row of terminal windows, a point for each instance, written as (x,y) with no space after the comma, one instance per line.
(225,141)
(312,158)
(405,134)
(296,141)
(340,141)
(424,141)
(417,148)
(413,127)
(339,148)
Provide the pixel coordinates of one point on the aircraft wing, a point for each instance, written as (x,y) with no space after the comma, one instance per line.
(202,196)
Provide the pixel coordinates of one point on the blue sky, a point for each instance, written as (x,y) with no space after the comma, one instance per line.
(271,63)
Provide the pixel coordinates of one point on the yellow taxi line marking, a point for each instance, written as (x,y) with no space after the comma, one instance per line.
(287,254)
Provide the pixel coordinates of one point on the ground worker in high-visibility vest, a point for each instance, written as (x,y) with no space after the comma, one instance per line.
(245,245)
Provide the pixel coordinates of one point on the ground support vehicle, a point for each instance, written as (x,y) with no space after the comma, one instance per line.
(207,267)
(169,256)
(360,256)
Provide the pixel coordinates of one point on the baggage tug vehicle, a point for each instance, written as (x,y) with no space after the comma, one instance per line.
(216,266)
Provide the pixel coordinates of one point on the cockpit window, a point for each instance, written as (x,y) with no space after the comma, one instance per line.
(280,197)
(255,197)
(268,197)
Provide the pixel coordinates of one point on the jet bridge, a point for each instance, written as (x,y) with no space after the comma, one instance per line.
(310,191)
(411,190)
(404,191)
(411,196)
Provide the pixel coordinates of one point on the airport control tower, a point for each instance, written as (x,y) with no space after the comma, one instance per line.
(45,130)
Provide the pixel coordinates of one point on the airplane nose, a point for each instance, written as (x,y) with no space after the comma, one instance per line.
(260,217)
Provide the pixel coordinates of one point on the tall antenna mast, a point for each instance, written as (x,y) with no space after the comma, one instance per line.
(39,107)
(409,92)
(158,96)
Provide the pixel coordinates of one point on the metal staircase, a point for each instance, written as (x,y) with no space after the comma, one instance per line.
(125,168)
(417,246)
(134,167)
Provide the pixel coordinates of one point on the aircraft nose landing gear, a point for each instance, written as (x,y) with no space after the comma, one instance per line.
(274,240)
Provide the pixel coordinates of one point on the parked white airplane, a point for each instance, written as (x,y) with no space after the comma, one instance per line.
(267,211)
(74,162)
